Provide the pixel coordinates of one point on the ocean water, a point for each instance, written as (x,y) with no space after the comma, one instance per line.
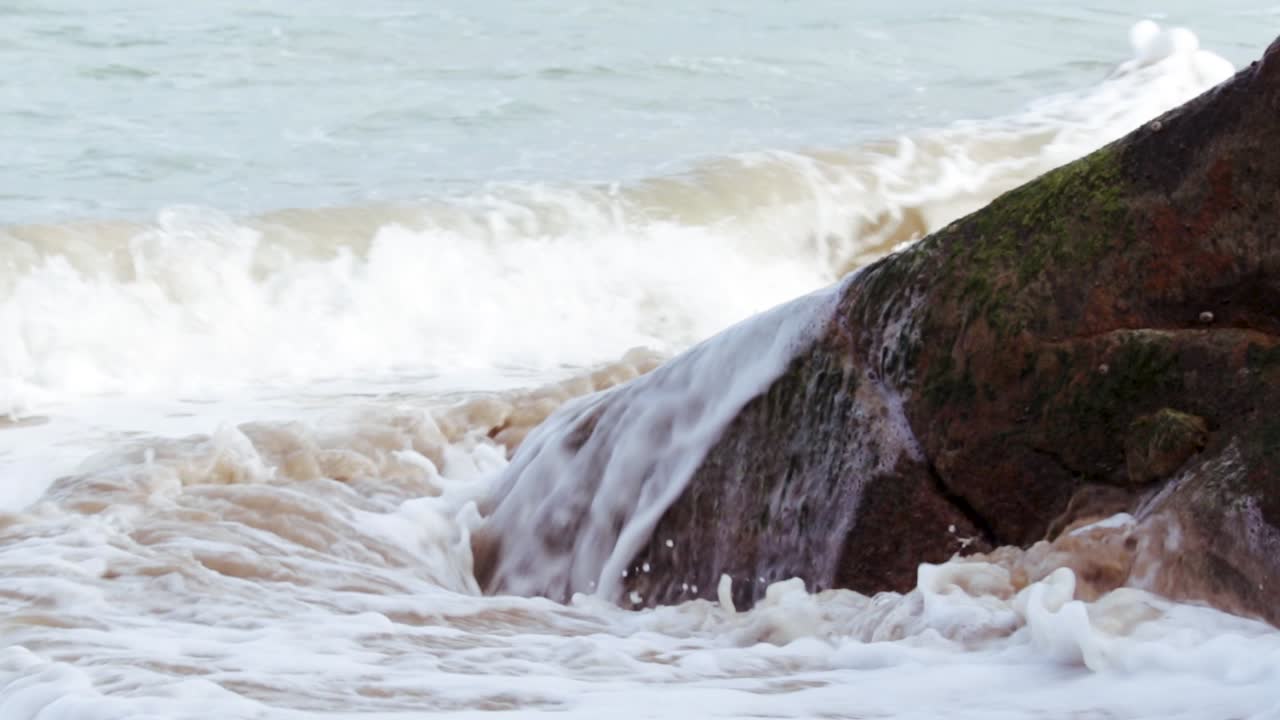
(282,286)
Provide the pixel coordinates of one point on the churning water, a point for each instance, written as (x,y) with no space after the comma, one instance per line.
(281,287)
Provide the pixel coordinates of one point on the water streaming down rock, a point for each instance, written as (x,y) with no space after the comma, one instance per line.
(586,488)
(585,492)
(1023,370)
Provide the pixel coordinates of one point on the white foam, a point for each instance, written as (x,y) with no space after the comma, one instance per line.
(207,577)
(207,304)
(528,276)
(724,594)
(381,634)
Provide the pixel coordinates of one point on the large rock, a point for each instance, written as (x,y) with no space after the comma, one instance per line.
(1105,338)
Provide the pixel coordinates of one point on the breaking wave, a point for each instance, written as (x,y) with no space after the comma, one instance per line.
(519,276)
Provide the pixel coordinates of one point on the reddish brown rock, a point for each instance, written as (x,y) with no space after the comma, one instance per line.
(985,385)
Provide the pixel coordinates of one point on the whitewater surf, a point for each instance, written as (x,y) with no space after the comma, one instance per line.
(247,454)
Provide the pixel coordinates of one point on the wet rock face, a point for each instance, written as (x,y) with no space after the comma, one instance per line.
(767,505)
(1109,333)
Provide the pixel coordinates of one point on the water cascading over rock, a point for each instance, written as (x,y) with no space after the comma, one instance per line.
(1104,339)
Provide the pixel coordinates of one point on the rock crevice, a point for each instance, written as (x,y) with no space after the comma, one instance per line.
(986,532)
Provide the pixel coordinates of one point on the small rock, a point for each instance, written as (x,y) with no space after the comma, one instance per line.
(1156,126)
(1206,317)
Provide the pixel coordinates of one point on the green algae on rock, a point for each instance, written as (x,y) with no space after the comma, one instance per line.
(1104,337)
(1160,443)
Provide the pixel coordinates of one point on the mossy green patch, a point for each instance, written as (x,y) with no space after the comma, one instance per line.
(1159,443)
(1140,372)
(1003,266)
(1059,225)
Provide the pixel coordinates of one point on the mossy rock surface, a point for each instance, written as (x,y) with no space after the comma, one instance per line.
(1161,443)
(970,386)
